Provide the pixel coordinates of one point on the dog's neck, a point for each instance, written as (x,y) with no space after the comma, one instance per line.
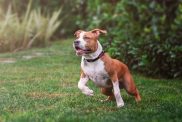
(94,54)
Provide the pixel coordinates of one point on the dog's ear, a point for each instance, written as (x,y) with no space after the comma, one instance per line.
(97,32)
(77,33)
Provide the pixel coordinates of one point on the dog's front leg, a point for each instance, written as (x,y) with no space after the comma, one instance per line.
(82,86)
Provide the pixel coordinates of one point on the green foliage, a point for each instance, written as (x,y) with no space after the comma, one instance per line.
(144,34)
(32,28)
(72,10)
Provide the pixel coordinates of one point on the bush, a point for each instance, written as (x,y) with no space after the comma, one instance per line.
(31,29)
(71,11)
(144,34)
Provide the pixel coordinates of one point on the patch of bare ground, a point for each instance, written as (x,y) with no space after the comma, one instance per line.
(38,95)
(7,60)
(34,55)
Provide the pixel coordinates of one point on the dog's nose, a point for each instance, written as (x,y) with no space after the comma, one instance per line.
(76,42)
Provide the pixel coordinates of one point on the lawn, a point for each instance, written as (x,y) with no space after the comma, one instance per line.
(40,84)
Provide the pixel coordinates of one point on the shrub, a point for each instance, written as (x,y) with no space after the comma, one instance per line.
(71,10)
(144,34)
(32,29)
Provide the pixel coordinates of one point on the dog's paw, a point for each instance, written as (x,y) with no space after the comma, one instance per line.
(89,92)
(120,105)
(106,100)
(110,98)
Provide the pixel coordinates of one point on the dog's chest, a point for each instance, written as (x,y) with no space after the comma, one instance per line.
(96,72)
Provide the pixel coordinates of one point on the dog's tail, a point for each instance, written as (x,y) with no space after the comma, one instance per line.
(131,87)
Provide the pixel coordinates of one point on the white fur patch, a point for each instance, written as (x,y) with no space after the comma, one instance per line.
(82,86)
(82,41)
(96,72)
(117,94)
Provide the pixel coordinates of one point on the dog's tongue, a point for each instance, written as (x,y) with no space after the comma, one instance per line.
(79,52)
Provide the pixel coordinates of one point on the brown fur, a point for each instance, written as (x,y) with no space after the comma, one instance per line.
(91,37)
(108,92)
(82,74)
(118,71)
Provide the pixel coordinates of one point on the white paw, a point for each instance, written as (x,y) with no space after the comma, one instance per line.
(89,92)
(119,105)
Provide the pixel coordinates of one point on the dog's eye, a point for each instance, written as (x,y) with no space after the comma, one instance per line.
(86,38)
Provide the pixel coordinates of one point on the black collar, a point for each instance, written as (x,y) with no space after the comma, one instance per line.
(92,60)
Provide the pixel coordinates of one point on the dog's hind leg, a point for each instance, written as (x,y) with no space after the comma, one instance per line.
(130,86)
(108,92)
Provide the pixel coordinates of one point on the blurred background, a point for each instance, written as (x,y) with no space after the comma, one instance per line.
(145,34)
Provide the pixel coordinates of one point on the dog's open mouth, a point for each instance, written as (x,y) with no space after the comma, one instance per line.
(80,51)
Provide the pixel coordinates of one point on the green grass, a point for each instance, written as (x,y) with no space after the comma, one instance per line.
(44,88)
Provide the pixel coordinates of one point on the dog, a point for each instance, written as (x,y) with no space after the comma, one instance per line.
(109,74)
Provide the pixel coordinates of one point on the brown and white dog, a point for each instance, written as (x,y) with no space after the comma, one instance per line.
(107,73)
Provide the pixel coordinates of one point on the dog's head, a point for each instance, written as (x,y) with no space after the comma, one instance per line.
(86,41)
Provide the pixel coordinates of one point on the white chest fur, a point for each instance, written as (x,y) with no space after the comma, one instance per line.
(96,72)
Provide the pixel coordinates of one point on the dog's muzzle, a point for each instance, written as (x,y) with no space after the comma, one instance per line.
(79,49)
